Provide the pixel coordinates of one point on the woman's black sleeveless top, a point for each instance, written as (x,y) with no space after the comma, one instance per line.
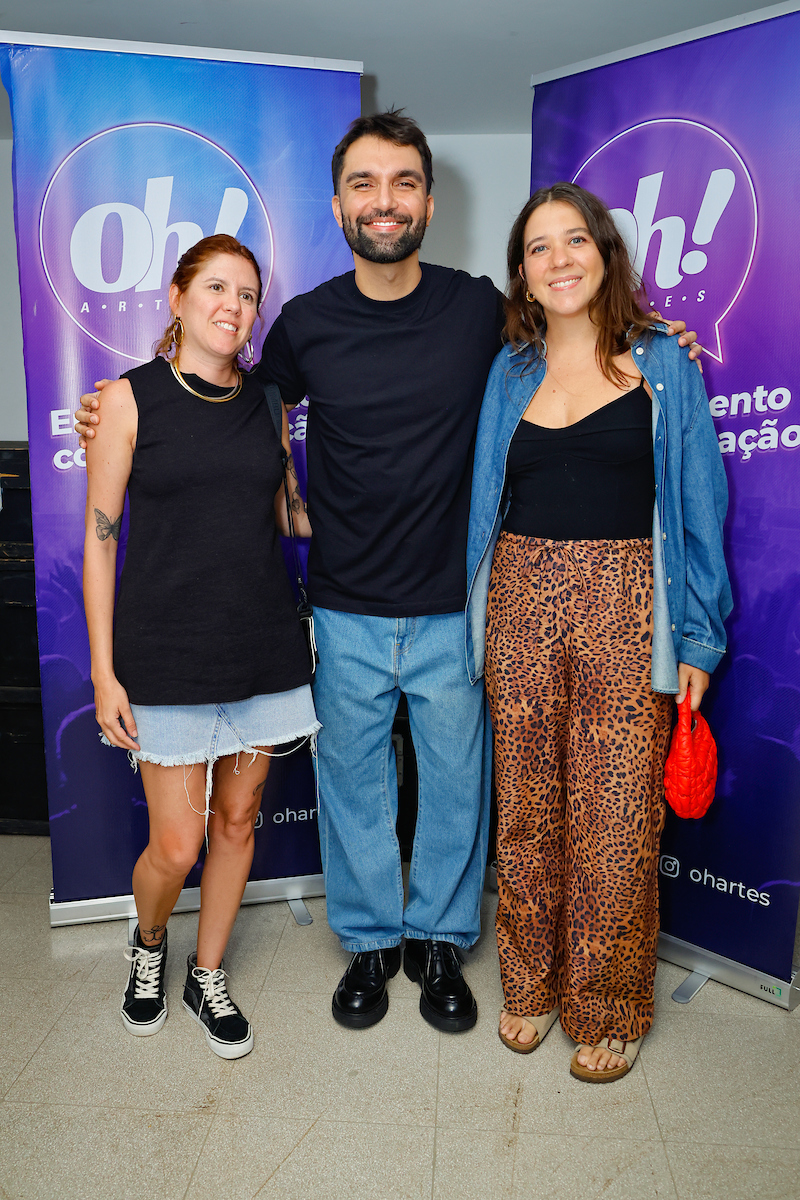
(592,480)
(205,612)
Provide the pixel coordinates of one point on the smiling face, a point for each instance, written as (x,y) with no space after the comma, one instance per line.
(562,266)
(218,308)
(382,204)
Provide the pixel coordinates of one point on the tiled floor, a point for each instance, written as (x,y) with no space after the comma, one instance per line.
(316,1112)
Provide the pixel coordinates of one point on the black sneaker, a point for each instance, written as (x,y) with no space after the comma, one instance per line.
(144,1003)
(206,998)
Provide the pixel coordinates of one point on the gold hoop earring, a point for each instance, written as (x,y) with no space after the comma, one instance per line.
(177,331)
(529,297)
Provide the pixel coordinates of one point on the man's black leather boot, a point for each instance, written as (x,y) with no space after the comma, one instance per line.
(361,998)
(446,1001)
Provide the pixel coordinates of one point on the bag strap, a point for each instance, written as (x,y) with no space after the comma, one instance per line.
(275,406)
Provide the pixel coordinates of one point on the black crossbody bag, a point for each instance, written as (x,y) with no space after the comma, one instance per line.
(304,609)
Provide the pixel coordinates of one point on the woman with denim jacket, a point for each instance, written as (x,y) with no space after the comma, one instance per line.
(595,557)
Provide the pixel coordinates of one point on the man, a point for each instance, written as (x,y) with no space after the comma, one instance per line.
(393,357)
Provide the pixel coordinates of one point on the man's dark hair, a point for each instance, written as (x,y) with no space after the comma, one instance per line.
(390,126)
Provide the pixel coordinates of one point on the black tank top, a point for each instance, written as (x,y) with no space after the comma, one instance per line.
(592,480)
(205,612)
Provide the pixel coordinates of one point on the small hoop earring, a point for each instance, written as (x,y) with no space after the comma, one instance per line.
(177,331)
(529,297)
(246,353)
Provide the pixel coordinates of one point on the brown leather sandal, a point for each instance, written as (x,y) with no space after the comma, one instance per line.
(626,1050)
(541,1026)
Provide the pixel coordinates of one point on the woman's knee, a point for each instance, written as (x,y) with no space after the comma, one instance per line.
(174,854)
(234,825)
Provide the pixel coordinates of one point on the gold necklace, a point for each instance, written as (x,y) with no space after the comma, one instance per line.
(211,399)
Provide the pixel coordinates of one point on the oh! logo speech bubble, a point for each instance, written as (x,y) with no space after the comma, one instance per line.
(685,203)
(121,209)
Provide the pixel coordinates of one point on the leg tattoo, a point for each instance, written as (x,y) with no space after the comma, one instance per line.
(153,936)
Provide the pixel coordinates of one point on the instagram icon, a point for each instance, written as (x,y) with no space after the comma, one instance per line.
(669,866)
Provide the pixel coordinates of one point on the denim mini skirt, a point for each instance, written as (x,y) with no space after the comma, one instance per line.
(183,734)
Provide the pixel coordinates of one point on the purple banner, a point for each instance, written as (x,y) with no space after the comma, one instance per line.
(695,149)
(121,162)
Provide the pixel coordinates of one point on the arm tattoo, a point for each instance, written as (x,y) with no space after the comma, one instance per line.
(105,528)
(298,504)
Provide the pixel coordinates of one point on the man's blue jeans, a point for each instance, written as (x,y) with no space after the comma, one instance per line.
(365,663)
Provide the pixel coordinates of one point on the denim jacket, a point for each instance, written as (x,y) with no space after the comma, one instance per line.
(691,592)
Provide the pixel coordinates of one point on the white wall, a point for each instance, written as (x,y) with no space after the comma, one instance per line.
(13,411)
(481,181)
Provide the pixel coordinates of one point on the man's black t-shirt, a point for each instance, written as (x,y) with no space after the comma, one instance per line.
(395,389)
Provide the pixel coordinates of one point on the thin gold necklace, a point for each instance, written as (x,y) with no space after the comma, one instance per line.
(211,399)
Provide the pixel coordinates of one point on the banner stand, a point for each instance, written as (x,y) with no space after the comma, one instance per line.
(661,149)
(118,908)
(785,993)
(112,183)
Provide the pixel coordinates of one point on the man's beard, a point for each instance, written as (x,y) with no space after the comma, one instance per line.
(363,245)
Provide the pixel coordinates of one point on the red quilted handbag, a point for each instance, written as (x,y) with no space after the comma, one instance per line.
(690,774)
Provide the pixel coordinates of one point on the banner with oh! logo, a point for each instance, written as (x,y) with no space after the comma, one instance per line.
(122,161)
(695,150)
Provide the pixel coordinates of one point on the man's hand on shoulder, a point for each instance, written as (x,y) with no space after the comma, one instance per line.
(87,415)
(685,338)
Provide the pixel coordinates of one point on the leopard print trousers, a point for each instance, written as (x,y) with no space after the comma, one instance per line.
(580,745)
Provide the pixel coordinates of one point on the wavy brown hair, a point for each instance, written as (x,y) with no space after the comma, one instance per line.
(191,262)
(616,310)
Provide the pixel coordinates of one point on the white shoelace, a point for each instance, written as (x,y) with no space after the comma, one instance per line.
(147,966)
(215,994)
